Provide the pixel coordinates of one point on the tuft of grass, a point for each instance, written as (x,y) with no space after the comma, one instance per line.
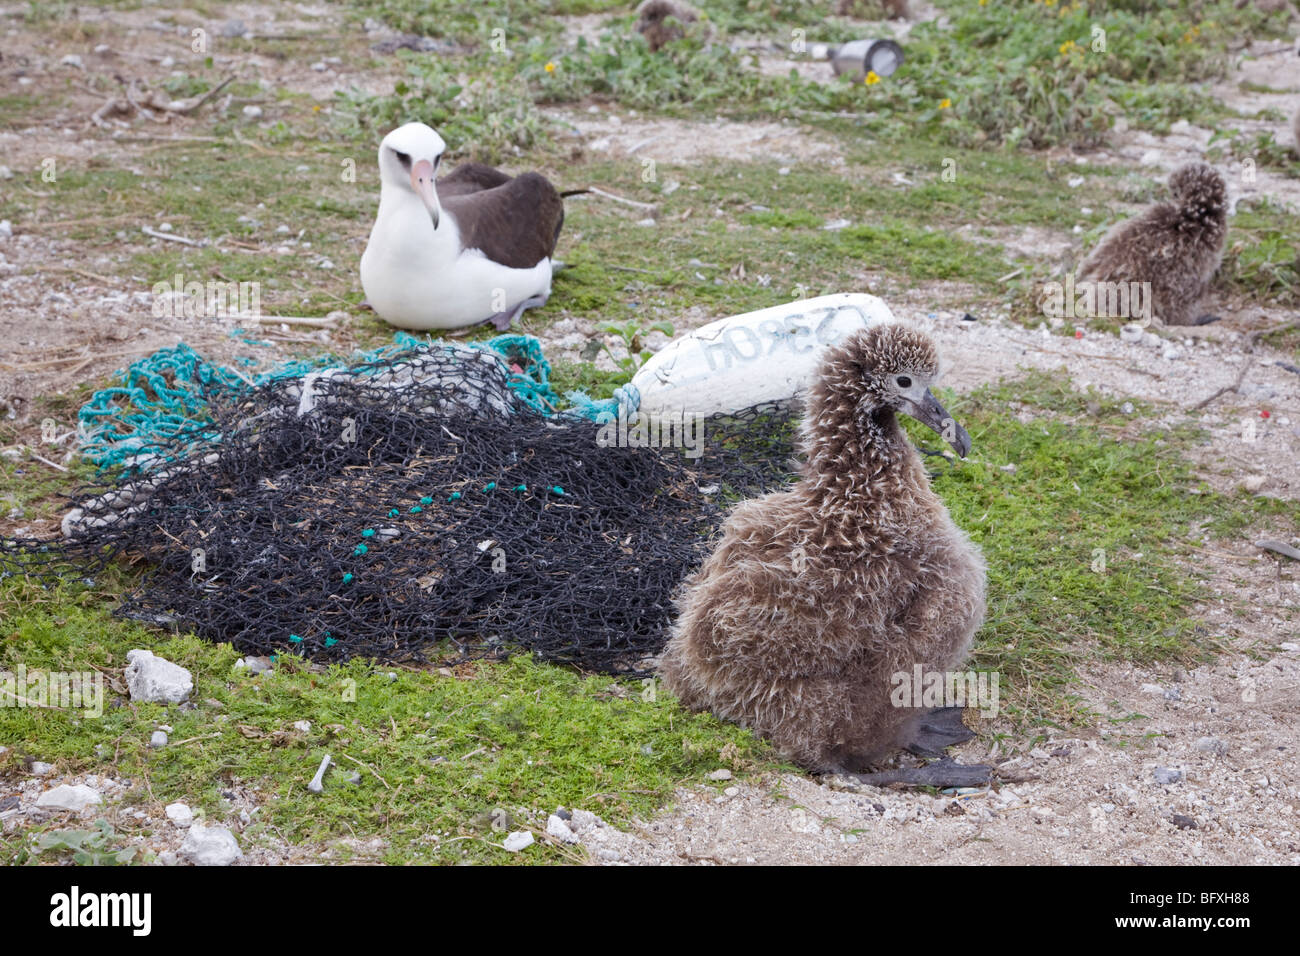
(1262,258)
(785,219)
(924,253)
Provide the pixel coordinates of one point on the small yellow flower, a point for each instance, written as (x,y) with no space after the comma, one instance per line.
(871,79)
(1067,46)
(550,67)
(316,108)
(984,3)
(945,103)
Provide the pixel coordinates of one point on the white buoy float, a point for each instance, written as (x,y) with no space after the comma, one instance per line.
(762,357)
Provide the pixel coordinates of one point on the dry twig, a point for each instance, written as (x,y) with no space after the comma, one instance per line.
(627,202)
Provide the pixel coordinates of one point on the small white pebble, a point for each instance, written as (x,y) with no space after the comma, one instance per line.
(519,840)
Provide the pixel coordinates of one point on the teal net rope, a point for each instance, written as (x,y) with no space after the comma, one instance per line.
(133,425)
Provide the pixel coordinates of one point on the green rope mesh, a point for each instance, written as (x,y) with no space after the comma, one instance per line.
(166,394)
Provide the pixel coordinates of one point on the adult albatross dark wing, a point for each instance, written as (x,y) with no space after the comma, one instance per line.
(513,220)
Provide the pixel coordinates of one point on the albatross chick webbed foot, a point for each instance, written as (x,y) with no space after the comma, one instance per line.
(938,773)
(929,735)
(937,730)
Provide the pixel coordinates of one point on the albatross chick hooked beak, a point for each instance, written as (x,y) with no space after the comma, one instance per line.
(934,416)
(422,183)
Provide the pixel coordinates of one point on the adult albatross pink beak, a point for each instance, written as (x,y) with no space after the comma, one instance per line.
(422,183)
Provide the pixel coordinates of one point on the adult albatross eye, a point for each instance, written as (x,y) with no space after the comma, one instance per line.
(903,381)
(402,158)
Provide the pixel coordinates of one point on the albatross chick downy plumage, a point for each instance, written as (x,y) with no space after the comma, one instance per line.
(815,597)
(474,246)
(1176,246)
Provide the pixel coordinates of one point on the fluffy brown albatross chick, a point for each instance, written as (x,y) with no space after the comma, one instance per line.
(815,596)
(1176,246)
(662,21)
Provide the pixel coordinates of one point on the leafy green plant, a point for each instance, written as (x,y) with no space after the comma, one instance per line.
(88,847)
(631,333)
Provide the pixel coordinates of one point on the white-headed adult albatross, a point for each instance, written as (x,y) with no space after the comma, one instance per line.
(473,247)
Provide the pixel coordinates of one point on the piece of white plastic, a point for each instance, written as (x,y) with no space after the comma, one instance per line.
(752,359)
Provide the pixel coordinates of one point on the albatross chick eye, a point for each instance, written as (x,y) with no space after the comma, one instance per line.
(903,381)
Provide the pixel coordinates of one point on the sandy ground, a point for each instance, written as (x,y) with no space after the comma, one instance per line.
(1227,731)
(692,142)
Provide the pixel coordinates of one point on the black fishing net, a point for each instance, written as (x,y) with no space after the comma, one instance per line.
(414,508)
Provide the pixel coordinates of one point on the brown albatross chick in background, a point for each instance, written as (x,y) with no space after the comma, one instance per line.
(662,21)
(1176,246)
(815,597)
